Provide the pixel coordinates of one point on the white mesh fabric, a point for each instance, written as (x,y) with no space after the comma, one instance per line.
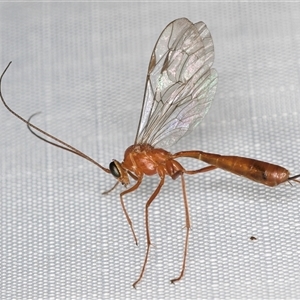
(83,65)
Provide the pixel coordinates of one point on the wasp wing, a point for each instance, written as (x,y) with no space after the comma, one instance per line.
(180,84)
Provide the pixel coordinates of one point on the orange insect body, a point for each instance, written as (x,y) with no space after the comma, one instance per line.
(145,159)
(180,87)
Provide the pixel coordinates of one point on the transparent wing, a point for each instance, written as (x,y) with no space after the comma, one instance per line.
(180,84)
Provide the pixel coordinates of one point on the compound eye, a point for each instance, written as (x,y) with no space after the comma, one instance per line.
(114,170)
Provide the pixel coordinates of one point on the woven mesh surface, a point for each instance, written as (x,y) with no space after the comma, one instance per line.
(83,65)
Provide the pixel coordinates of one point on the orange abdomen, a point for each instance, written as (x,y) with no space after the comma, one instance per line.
(252,169)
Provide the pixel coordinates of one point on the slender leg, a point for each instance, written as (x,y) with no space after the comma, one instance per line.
(133,188)
(108,191)
(162,180)
(202,170)
(192,172)
(188,226)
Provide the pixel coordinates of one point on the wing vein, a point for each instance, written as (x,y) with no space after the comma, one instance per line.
(180,84)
